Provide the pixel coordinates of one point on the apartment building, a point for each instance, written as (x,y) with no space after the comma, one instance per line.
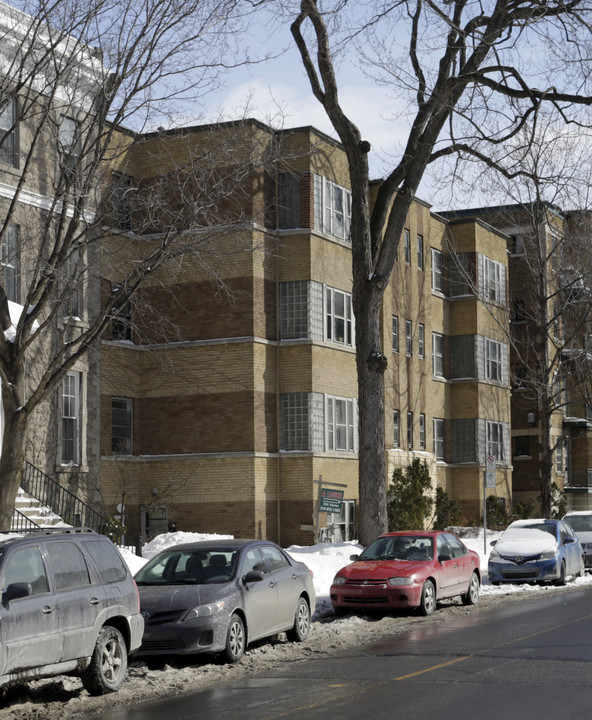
(229,395)
(551,422)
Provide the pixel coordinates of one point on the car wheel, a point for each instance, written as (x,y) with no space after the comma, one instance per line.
(427,604)
(472,594)
(236,640)
(299,632)
(108,664)
(561,579)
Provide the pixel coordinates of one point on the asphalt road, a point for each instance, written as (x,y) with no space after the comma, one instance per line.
(530,660)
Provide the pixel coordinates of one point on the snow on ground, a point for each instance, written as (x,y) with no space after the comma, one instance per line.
(325,559)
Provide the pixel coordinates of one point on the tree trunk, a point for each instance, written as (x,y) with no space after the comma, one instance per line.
(12,461)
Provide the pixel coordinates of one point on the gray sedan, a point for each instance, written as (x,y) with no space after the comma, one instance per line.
(218,596)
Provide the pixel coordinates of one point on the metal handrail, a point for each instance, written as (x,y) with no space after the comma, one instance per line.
(22,523)
(62,502)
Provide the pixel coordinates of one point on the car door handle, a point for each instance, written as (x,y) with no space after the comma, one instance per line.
(272,584)
(47,610)
(94,601)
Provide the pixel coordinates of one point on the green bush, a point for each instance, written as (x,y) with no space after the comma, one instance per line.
(409,505)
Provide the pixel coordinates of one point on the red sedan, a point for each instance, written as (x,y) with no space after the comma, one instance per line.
(408,569)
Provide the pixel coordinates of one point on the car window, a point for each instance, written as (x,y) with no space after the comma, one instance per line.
(108,561)
(26,566)
(580,523)
(458,549)
(275,557)
(442,546)
(253,560)
(68,565)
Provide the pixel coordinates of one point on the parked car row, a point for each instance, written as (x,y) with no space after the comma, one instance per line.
(70,605)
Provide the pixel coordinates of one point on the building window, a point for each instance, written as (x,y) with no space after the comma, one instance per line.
(420,252)
(121,425)
(409,429)
(396,429)
(561,454)
(10,244)
(439,438)
(122,188)
(71,419)
(8,133)
(121,322)
(408,338)
(332,208)
(516,244)
(338,313)
(421,340)
(73,271)
(438,354)
(522,446)
(495,440)
(341,424)
(422,438)
(493,280)
(395,334)
(407,246)
(493,360)
(69,144)
(437,271)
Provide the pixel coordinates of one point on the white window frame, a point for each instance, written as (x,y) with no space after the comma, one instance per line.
(493,277)
(333,216)
(408,338)
(422,431)
(407,246)
(341,433)
(8,133)
(495,440)
(493,360)
(409,430)
(70,426)
(396,429)
(437,271)
(439,439)
(420,254)
(395,335)
(335,319)
(421,340)
(438,354)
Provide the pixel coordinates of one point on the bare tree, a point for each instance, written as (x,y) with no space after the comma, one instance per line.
(74,74)
(474,74)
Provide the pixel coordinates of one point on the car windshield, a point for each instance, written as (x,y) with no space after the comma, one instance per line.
(201,566)
(545,527)
(580,523)
(400,547)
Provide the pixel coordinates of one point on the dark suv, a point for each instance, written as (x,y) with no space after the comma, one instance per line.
(69,606)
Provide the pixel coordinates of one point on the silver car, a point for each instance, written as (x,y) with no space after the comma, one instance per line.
(218,596)
(581,524)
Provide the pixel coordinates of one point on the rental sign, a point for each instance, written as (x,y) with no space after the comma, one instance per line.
(331,500)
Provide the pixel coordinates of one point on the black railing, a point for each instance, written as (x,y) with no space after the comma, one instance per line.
(579,478)
(21,523)
(62,502)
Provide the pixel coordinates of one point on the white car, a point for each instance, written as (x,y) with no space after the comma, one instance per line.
(581,523)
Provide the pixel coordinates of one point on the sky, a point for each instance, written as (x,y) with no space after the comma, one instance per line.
(326,559)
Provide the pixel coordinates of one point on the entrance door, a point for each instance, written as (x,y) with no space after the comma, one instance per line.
(154,521)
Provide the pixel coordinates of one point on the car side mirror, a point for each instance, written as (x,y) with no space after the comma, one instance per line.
(253,576)
(354,557)
(16,591)
(492,543)
(442,557)
(569,541)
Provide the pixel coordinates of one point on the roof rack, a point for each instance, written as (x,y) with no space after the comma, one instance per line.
(49,531)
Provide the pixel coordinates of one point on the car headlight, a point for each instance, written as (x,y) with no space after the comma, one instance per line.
(548,554)
(494,554)
(204,610)
(339,580)
(394,581)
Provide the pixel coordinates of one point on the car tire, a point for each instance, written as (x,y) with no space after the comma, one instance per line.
(472,595)
(561,579)
(108,665)
(427,604)
(301,628)
(236,640)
